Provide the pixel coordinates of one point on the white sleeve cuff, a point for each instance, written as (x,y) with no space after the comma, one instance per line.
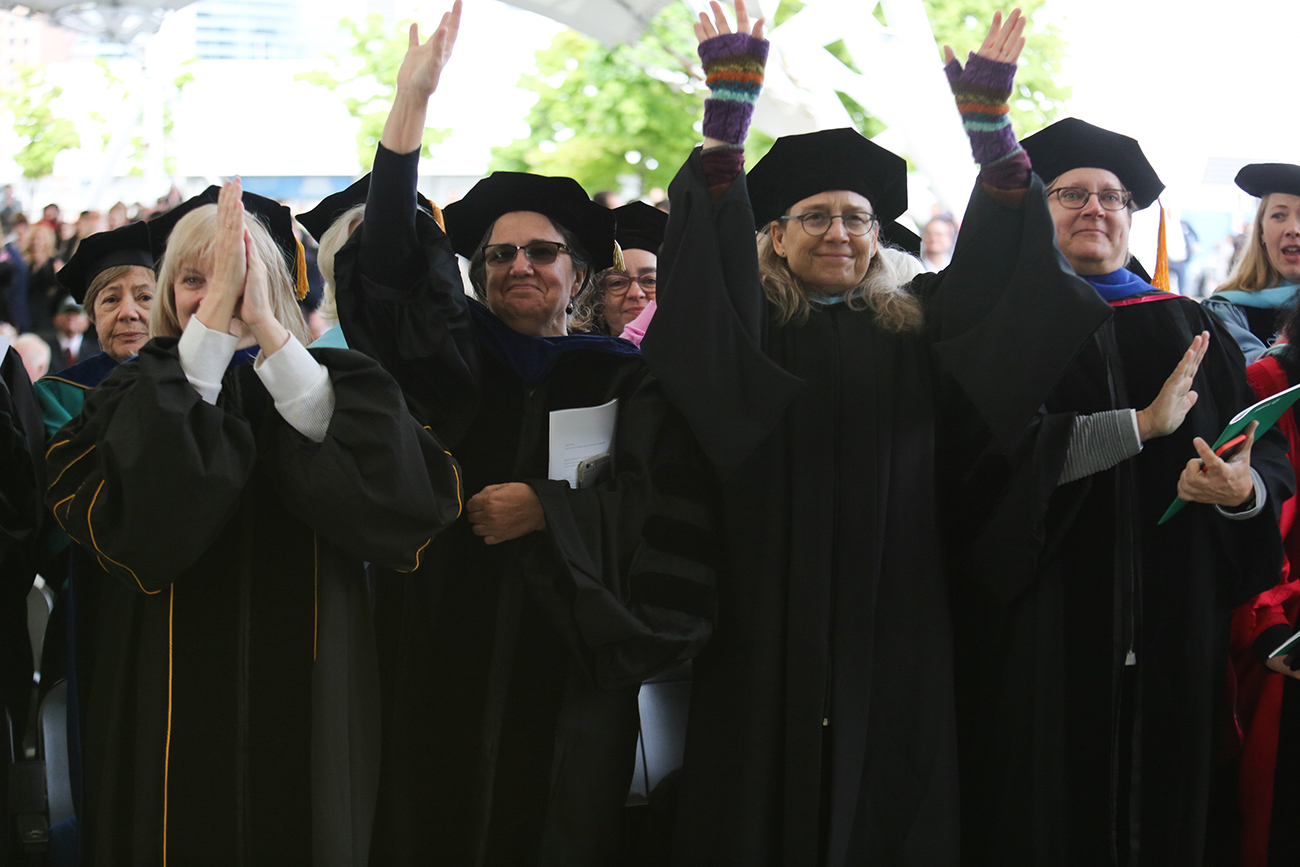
(205,355)
(1261,496)
(300,387)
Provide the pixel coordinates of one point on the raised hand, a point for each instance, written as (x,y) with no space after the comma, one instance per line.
(423,64)
(1004,41)
(417,79)
(707,29)
(229,262)
(1176,397)
(256,310)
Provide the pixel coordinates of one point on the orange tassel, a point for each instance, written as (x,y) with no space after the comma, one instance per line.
(1161,278)
(300,271)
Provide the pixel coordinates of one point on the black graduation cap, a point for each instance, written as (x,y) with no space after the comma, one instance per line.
(1072,143)
(638,226)
(897,235)
(126,245)
(1260,179)
(275,216)
(318,220)
(561,199)
(799,166)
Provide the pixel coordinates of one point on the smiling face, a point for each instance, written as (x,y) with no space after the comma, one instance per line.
(622,309)
(1094,240)
(528,297)
(1281,232)
(121,311)
(835,262)
(190,287)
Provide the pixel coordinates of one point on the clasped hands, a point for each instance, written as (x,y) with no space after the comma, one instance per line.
(238,298)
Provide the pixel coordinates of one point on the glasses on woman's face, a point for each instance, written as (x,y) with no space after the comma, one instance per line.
(538,252)
(618,284)
(1076,198)
(817,223)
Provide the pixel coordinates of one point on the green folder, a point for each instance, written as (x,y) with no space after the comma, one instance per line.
(1266,412)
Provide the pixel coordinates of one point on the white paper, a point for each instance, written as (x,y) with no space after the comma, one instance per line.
(578,434)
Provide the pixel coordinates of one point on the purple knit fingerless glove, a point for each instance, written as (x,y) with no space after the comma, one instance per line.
(982,90)
(733,69)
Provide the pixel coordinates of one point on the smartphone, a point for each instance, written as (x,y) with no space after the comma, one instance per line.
(1229,450)
(593,470)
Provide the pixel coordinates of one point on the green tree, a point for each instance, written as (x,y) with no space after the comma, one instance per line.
(636,109)
(119,92)
(602,113)
(46,135)
(375,55)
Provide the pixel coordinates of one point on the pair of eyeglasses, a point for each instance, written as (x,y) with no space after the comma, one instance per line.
(1076,198)
(819,224)
(538,252)
(618,284)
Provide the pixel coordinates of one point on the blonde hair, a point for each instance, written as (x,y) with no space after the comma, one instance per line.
(103,278)
(883,289)
(192,241)
(28,250)
(1254,271)
(330,243)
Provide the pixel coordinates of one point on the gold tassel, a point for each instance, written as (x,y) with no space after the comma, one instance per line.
(437,217)
(300,270)
(1161,278)
(619,264)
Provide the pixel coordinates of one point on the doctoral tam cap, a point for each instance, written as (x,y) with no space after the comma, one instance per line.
(562,200)
(125,245)
(1260,179)
(799,166)
(1072,143)
(318,220)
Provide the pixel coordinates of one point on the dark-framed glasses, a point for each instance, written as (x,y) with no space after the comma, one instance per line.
(1076,198)
(538,252)
(818,223)
(618,283)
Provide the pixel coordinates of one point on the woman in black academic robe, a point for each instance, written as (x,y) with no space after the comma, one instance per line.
(822,725)
(1093,638)
(513,656)
(233,717)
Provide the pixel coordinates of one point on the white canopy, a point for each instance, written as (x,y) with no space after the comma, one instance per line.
(111,21)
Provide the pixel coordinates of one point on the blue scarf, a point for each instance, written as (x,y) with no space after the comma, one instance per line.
(1266,299)
(1119,284)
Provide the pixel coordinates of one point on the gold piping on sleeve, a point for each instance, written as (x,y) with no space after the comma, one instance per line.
(55,511)
(73,461)
(417,558)
(167,750)
(55,446)
(455,468)
(91,527)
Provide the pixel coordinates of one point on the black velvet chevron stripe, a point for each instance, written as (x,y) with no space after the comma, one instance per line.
(682,539)
(675,593)
(682,480)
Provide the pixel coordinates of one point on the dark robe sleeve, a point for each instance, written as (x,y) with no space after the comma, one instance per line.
(380,485)
(705,344)
(1008,315)
(627,570)
(412,317)
(148,460)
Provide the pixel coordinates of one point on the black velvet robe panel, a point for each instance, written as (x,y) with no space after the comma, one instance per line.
(235,543)
(1060,737)
(822,725)
(511,672)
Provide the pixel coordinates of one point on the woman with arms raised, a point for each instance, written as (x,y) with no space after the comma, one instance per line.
(233,716)
(514,654)
(822,725)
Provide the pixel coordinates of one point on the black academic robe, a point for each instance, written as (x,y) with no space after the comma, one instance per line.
(233,716)
(822,726)
(1070,755)
(512,671)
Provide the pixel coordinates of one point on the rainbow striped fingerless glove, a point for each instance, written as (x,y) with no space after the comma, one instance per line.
(733,69)
(982,90)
